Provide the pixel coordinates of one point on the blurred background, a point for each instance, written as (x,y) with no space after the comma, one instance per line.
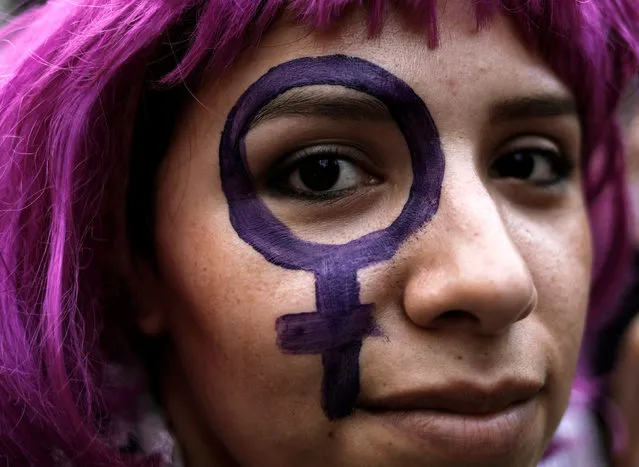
(14,6)
(6,5)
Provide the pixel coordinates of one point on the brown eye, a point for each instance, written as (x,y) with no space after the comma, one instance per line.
(322,172)
(542,167)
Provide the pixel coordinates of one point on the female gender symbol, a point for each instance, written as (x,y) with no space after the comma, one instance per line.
(340,324)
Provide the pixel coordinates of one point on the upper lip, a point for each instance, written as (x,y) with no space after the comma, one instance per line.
(459,398)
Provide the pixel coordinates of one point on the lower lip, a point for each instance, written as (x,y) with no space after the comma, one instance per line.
(465,437)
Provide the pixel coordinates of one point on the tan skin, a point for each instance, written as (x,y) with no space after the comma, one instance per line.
(625,382)
(511,257)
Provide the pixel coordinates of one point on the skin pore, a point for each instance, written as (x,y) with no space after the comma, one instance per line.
(493,288)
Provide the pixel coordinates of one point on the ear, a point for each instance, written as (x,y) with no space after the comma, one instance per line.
(151,300)
(149,295)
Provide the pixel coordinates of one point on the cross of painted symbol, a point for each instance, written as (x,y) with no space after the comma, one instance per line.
(338,327)
(336,332)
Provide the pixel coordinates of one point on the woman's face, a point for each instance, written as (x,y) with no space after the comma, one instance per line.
(472,322)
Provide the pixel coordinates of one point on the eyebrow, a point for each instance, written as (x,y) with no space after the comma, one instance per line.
(340,104)
(542,106)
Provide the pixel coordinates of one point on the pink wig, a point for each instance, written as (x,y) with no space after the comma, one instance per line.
(79,85)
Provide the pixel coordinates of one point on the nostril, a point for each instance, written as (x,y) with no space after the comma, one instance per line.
(453,317)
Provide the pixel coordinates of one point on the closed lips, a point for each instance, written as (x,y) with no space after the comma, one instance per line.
(462,422)
(459,398)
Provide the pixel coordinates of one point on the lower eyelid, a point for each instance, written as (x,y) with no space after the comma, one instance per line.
(322,199)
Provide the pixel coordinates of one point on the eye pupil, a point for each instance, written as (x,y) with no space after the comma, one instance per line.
(518,165)
(319,174)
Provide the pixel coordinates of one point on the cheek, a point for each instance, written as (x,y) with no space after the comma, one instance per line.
(559,255)
(221,320)
(224,299)
(227,297)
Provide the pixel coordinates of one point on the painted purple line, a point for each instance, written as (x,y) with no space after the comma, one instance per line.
(340,386)
(314,333)
(341,323)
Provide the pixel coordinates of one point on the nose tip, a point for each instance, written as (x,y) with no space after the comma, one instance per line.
(484,303)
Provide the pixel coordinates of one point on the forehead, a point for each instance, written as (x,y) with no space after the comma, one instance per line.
(460,78)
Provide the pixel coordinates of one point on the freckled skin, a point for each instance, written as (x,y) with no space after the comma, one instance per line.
(515,270)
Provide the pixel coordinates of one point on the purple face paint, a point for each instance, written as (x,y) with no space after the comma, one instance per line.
(336,330)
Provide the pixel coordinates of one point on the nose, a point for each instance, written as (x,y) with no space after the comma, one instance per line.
(465,270)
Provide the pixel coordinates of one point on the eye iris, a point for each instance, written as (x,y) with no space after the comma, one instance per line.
(518,165)
(319,174)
